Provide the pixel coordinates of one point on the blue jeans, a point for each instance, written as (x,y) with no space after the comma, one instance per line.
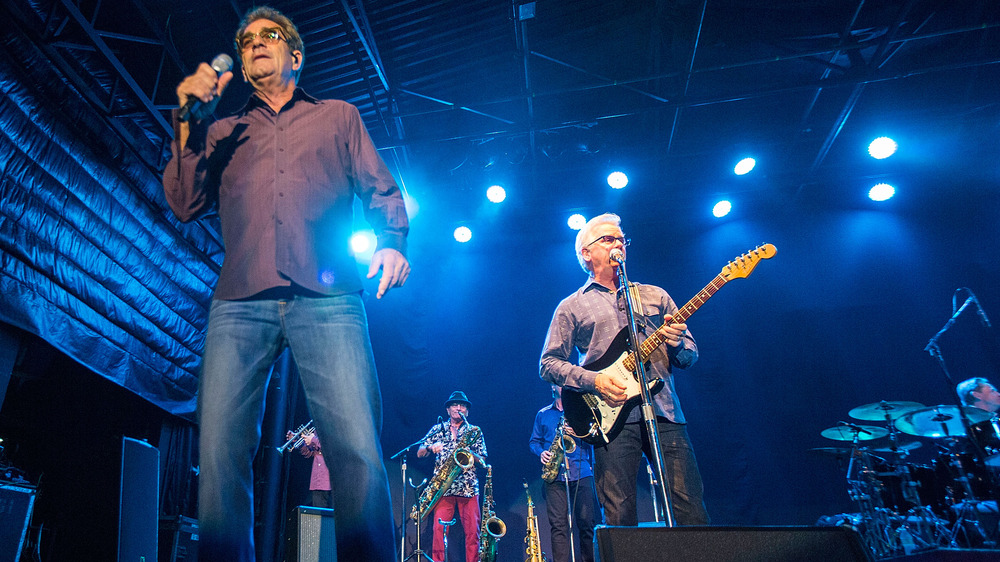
(616,466)
(328,340)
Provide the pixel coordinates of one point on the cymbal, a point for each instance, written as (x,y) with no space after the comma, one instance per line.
(878,410)
(900,448)
(846,433)
(939,421)
(831,451)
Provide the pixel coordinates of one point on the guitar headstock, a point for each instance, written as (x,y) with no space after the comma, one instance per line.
(743,265)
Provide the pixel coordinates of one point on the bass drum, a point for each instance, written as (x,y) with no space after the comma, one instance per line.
(961,478)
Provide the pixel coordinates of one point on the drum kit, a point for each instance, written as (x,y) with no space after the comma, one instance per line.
(903,505)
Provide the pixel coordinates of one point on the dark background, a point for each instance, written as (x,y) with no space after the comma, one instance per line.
(838,318)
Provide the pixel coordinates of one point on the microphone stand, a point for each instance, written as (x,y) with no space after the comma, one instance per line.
(934,349)
(569,504)
(648,414)
(402,539)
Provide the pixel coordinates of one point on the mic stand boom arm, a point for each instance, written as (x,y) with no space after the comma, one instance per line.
(648,414)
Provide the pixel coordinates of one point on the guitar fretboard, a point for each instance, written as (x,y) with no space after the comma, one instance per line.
(683,313)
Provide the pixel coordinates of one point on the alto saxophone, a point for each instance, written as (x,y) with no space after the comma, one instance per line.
(561,446)
(462,459)
(493,527)
(534,545)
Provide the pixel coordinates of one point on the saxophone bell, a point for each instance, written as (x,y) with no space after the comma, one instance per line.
(496,527)
(568,444)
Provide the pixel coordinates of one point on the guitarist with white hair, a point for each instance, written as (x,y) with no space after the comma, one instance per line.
(585,324)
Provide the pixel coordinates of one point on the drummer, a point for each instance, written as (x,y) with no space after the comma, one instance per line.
(979,393)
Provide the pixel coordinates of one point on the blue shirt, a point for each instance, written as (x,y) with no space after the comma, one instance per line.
(586,322)
(544,433)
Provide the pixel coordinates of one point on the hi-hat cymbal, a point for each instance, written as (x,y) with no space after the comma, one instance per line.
(878,410)
(939,421)
(846,433)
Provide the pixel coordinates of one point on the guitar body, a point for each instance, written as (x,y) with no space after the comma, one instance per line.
(592,417)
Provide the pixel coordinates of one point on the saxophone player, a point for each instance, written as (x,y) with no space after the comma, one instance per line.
(579,507)
(463,493)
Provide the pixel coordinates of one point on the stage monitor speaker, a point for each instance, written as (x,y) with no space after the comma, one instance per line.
(312,536)
(138,505)
(730,544)
(16,503)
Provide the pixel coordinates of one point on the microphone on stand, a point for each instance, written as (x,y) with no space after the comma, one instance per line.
(618,255)
(853,427)
(221,64)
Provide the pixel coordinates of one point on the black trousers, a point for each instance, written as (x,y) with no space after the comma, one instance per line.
(585,515)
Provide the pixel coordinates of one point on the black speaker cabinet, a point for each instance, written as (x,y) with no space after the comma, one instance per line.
(312,536)
(730,544)
(16,503)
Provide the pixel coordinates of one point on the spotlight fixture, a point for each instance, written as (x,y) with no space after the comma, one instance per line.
(362,242)
(617,180)
(576,221)
(744,166)
(881,192)
(882,148)
(722,208)
(496,194)
(463,234)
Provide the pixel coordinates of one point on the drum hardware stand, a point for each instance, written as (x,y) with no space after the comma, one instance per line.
(648,414)
(418,553)
(864,492)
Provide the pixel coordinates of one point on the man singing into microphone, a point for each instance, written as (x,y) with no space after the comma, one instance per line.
(283,174)
(585,324)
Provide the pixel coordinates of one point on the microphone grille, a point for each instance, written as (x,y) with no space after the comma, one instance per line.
(222,63)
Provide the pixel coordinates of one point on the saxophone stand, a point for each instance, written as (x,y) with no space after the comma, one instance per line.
(418,553)
(402,503)
(446,524)
(648,414)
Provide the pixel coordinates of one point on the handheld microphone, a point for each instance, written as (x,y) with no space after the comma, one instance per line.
(982,313)
(618,255)
(221,64)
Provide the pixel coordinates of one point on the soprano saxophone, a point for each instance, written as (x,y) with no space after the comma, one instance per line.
(462,459)
(561,446)
(534,545)
(493,527)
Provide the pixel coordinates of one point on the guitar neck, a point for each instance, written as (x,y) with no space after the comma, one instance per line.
(657,338)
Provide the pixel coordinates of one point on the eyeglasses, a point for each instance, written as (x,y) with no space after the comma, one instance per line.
(269,35)
(609,240)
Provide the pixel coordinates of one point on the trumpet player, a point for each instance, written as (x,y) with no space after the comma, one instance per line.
(321,495)
(463,494)
(576,510)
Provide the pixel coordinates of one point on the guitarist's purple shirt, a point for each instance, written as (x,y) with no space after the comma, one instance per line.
(587,321)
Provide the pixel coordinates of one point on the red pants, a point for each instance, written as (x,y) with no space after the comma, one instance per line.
(468,514)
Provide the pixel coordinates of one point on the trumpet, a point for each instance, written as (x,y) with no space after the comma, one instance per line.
(298,437)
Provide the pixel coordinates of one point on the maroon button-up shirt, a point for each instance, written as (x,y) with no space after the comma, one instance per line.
(284,186)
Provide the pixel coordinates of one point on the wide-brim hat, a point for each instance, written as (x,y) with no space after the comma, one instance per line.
(458,397)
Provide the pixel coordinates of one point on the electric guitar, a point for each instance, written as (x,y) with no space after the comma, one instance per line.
(597,421)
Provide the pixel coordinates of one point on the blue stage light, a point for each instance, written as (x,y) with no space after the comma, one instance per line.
(463,234)
(496,194)
(882,147)
(881,192)
(362,242)
(744,166)
(617,180)
(576,221)
(722,208)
